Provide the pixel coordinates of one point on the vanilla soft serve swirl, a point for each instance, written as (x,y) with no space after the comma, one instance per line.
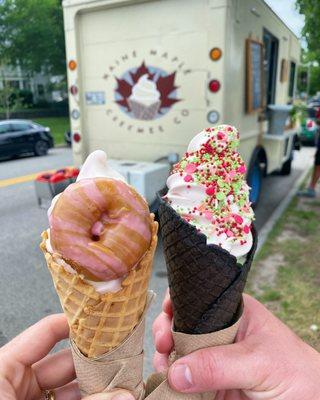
(208,189)
(145,91)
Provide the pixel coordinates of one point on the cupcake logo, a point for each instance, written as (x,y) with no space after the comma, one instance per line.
(146,92)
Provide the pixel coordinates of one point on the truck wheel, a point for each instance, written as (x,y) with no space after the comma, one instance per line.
(255,182)
(40,148)
(286,167)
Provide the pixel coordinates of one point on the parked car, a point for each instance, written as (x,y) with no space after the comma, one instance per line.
(20,137)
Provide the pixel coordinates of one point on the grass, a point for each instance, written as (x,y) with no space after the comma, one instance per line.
(58,126)
(294,294)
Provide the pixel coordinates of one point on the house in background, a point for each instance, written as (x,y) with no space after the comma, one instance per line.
(40,85)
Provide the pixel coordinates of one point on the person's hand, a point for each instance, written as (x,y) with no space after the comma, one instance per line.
(266,362)
(27,371)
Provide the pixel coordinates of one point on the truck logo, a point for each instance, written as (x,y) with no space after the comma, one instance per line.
(146,92)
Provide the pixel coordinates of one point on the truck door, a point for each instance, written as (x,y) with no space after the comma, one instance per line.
(271,46)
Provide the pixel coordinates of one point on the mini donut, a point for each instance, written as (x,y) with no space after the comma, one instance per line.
(101,226)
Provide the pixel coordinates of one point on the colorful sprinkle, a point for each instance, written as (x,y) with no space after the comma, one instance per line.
(188,178)
(191,168)
(218,167)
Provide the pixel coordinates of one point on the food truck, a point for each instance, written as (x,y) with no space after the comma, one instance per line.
(145,76)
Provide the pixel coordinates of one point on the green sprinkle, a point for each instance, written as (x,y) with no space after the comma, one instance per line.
(183,164)
(220,196)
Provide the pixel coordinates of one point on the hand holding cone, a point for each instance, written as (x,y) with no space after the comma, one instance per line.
(99,250)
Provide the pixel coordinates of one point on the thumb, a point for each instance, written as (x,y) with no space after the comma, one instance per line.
(114,395)
(216,368)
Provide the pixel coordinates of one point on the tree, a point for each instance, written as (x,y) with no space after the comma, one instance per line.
(10,99)
(311,32)
(32,35)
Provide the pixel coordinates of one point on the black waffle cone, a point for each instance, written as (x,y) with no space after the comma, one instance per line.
(206,282)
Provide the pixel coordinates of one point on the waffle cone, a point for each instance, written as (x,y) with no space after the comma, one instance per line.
(206,282)
(100,322)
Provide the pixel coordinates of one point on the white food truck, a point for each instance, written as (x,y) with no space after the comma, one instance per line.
(146,75)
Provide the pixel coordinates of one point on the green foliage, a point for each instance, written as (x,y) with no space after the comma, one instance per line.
(26,98)
(314,80)
(31,34)
(299,111)
(311,10)
(311,72)
(294,292)
(10,99)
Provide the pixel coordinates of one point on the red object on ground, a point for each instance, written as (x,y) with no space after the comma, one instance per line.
(57,177)
(71,172)
(43,177)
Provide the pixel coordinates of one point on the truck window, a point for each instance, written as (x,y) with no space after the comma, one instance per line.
(271,46)
(292,78)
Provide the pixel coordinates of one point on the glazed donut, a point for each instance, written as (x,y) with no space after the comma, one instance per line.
(101,227)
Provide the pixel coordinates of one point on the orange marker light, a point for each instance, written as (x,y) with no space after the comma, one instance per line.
(215,54)
(72,65)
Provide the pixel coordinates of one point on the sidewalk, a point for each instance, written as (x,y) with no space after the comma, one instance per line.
(286,272)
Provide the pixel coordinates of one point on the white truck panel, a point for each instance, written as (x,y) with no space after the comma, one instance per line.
(110,39)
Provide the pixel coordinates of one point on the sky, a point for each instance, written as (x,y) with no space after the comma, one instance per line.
(285,9)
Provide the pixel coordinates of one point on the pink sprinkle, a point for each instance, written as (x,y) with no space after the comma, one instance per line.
(232,174)
(221,135)
(208,215)
(242,169)
(229,233)
(188,178)
(191,168)
(210,191)
(238,218)
(246,229)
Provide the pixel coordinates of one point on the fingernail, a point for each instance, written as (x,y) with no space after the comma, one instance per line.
(181,377)
(123,396)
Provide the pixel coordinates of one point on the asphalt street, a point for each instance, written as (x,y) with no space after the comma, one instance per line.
(26,289)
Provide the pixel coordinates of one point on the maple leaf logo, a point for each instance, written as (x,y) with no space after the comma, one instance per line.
(164,84)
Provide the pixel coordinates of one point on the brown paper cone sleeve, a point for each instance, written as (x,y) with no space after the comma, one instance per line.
(101,322)
(157,386)
(120,368)
(206,282)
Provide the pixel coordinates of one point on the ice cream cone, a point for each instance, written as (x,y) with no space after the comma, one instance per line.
(144,112)
(100,322)
(206,282)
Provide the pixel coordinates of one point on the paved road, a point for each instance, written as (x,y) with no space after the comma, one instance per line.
(26,290)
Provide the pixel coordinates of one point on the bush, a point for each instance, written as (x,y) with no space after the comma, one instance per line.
(26,97)
(42,103)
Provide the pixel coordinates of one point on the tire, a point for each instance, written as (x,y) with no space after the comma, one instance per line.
(41,148)
(286,167)
(255,182)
